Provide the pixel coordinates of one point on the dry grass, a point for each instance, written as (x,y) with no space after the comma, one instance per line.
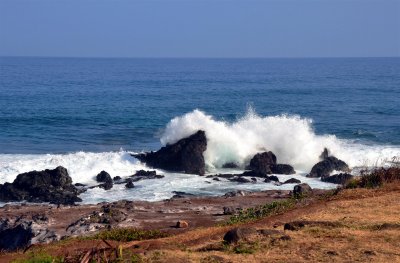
(366,229)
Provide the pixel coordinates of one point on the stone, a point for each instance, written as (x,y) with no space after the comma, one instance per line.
(106,180)
(292,181)
(129,184)
(282,169)
(182,224)
(186,155)
(240,234)
(341,178)
(262,162)
(301,190)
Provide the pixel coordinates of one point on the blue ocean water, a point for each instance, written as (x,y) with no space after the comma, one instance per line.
(61,105)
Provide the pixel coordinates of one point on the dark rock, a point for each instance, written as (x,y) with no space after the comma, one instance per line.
(226,176)
(144,175)
(296,225)
(301,190)
(105,178)
(327,166)
(341,178)
(54,186)
(179,194)
(254,174)
(292,181)
(129,184)
(186,155)
(216,179)
(282,169)
(325,154)
(230,165)
(117,178)
(273,233)
(253,179)
(229,210)
(240,234)
(262,162)
(80,185)
(240,179)
(273,178)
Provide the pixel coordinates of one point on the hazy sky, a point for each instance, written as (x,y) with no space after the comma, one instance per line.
(190,28)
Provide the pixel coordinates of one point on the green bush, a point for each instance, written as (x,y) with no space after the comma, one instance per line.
(128,234)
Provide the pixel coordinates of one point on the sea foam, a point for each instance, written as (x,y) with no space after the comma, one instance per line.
(291,137)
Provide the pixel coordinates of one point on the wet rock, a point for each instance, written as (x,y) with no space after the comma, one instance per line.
(230,165)
(129,184)
(240,234)
(301,190)
(106,180)
(216,179)
(240,179)
(292,181)
(182,224)
(117,178)
(145,175)
(254,174)
(325,167)
(54,186)
(273,178)
(282,169)
(179,194)
(262,162)
(186,155)
(341,178)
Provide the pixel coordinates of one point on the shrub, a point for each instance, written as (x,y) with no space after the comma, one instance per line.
(375,178)
(129,234)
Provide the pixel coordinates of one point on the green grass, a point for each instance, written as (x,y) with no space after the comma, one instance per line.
(39,257)
(255,213)
(128,234)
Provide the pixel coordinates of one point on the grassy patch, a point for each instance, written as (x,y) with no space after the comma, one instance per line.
(375,178)
(255,213)
(128,234)
(39,258)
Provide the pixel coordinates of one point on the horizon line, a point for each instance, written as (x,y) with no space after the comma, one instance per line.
(171,57)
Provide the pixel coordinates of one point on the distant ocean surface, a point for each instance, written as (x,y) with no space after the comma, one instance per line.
(87,114)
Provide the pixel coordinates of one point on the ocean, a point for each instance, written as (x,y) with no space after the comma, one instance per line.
(89,114)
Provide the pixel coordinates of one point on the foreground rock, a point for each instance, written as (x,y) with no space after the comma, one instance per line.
(21,233)
(53,186)
(341,178)
(329,164)
(186,155)
(301,190)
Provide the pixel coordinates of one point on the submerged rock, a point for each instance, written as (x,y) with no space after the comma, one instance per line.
(292,181)
(142,174)
(186,155)
(129,184)
(282,169)
(341,178)
(54,186)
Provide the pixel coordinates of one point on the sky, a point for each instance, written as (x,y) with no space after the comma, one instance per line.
(200,28)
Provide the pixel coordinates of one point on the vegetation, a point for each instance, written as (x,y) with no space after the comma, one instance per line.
(376,178)
(39,258)
(268,209)
(128,234)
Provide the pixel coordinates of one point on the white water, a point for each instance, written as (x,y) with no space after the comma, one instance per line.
(291,138)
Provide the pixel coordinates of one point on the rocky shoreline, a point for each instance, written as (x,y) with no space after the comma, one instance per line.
(25,224)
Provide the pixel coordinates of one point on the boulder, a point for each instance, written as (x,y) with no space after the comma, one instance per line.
(254,174)
(186,155)
(106,180)
(54,186)
(182,224)
(144,175)
(230,165)
(282,169)
(240,234)
(117,178)
(262,162)
(240,179)
(292,181)
(301,190)
(341,178)
(236,193)
(129,184)
(325,167)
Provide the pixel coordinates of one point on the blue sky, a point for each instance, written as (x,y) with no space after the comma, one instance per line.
(189,28)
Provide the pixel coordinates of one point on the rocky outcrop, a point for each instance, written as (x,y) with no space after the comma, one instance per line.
(53,186)
(262,162)
(106,180)
(329,164)
(282,169)
(292,181)
(266,163)
(301,190)
(143,175)
(20,233)
(240,234)
(341,178)
(186,155)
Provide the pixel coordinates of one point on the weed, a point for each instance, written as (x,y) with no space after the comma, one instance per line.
(39,258)
(128,234)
